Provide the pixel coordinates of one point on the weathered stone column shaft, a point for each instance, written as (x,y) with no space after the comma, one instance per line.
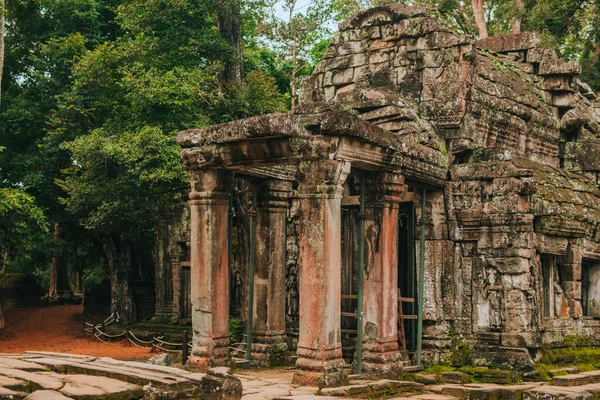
(380,321)
(209,267)
(269,346)
(319,348)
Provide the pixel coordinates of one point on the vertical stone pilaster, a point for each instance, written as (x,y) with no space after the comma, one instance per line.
(380,322)
(175,287)
(209,264)
(319,194)
(269,344)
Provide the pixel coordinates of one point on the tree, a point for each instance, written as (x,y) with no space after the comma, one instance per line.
(479,14)
(230,28)
(2,23)
(128,100)
(295,37)
(22,223)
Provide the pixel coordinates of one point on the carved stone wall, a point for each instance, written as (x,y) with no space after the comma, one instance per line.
(500,132)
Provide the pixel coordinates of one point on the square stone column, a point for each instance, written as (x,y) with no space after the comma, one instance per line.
(269,341)
(381,357)
(209,204)
(319,195)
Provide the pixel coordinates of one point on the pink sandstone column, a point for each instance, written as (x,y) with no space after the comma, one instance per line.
(380,338)
(209,259)
(269,342)
(320,360)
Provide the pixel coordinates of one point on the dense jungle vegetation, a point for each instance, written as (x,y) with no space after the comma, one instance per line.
(94,91)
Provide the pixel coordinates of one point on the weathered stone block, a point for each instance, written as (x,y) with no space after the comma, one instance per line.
(571,380)
(509,43)
(510,265)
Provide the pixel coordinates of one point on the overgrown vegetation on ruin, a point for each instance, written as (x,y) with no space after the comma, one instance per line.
(94,91)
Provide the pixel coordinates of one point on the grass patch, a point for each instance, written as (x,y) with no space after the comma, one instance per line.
(439,369)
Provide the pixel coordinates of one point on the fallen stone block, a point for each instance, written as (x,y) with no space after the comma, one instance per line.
(556,393)
(20,364)
(593,375)
(571,380)
(220,384)
(14,384)
(455,377)
(8,394)
(564,371)
(375,388)
(47,395)
(83,387)
(38,381)
(426,379)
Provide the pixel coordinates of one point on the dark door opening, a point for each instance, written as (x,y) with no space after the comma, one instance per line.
(349,306)
(407,276)
(186,291)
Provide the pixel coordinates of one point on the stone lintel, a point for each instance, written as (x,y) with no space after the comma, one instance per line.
(510,43)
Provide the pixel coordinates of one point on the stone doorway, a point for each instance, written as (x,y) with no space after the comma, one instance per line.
(407,274)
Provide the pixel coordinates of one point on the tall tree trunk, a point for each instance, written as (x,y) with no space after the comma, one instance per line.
(230,28)
(293,76)
(121,294)
(479,14)
(596,55)
(1,319)
(2,24)
(516,23)
(59,276)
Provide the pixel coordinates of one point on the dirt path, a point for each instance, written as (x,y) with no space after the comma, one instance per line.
(59,329)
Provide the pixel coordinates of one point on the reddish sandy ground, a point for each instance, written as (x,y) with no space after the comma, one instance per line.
(59,329)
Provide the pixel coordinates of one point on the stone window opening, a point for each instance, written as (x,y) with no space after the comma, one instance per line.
(590,288)
(566,136)
(550,281)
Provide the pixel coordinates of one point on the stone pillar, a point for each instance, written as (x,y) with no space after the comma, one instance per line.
(380,321)
(175,288)
(209,264)
(320,360)
(269,341)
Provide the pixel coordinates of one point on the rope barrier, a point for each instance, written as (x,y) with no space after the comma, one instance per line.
(128,336)
(140,340)
(169,344)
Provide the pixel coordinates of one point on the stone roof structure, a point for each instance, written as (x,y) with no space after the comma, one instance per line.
(500,132)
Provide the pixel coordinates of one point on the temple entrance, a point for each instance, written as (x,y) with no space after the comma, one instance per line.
(350,267)
(407,278)
(186,288)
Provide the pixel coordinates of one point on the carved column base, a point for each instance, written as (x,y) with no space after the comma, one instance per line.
(381,359)
(320,368)
(270,349)
(204,357)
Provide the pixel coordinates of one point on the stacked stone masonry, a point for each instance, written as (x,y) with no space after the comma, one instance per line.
(501,133)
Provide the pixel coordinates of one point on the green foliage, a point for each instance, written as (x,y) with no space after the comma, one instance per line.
(22,223)
(461,353)
(236,329)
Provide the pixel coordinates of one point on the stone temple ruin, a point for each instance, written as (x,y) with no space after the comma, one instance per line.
(497,138)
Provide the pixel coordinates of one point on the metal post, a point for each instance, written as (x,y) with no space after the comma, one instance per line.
(421,280)
(184,349)
(361,273)
(253,214)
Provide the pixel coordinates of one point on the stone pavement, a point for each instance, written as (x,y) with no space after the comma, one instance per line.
(276,385)
(49,376)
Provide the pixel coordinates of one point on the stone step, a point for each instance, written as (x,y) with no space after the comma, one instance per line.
(571,380)
(374,388)
(564,371)
(46,395)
